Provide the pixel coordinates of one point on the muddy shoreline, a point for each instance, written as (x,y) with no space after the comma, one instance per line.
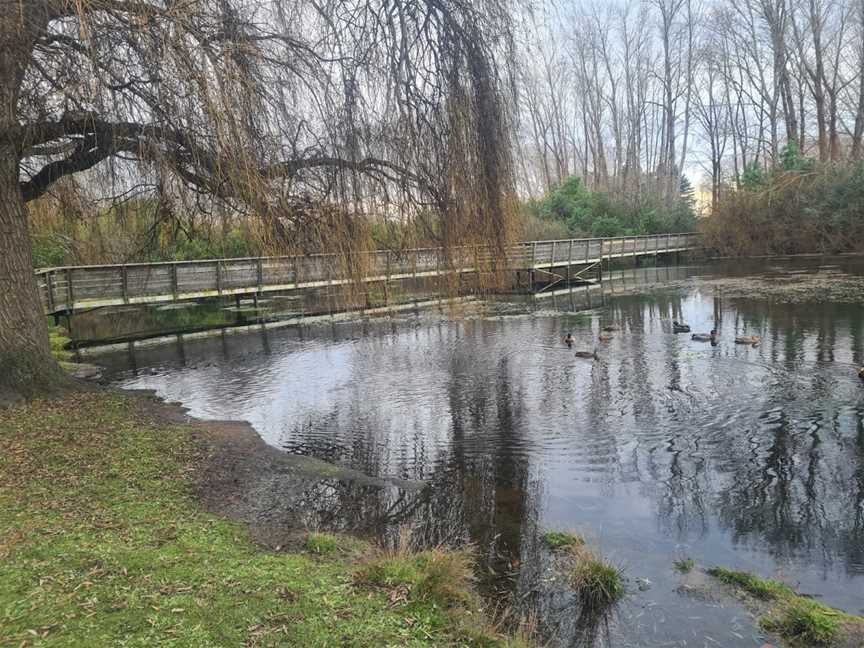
(236,474)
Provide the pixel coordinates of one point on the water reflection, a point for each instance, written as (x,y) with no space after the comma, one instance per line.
(741,456)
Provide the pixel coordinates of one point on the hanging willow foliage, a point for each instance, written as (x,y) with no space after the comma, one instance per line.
(312,117)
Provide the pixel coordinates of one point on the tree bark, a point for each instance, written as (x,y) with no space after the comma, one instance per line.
(26,364)
(28,367)
(858,132)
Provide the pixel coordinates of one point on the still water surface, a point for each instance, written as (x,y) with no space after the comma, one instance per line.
(750,458)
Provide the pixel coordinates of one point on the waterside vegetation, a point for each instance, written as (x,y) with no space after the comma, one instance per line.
(798,619)
(102,541)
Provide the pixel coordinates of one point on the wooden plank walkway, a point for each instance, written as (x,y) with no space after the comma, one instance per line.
(72,288)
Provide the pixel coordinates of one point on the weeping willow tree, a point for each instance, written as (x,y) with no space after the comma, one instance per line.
(308,115)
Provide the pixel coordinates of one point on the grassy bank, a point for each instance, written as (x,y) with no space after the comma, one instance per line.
(102,543)
(800,620)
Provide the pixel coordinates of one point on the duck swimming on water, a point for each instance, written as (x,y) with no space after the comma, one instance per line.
(861,373)
(612,328)
(752,340)
(592,355)
(605,337)
(680,328)
(704,337)
(569,340)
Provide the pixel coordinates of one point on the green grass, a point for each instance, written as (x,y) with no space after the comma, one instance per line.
(761,588)
(322,543)
(598,583)
(441,577)
(59,338)
(562,539)
(796,618)
(684,565)
(804,621)
(102,544)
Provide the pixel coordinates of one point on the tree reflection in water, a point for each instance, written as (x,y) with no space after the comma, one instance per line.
(747,456)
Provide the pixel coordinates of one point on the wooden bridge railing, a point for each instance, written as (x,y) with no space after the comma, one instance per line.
(75,287)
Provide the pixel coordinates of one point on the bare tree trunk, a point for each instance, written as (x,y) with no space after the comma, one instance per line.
(818,78)
(858,132)
(688,92)
(25,353)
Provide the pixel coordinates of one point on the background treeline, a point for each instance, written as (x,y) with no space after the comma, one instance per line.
(630,95)
(634,117)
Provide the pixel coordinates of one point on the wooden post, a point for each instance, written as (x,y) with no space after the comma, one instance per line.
(329,285)
(387,278)
(569,262)
(175,288)
(49,285)
(70,301)
(218,276)
(259,272)
(124,278)
(69,328)
(296,272)
(533,263)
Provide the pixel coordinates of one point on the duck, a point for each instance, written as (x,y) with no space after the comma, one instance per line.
(704,337)
(861,373)
(612,328)
(748,339)
(592,355)
(569,340)
(680,328)
(605,338)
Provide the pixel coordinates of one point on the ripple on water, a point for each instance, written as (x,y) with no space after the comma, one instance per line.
(748,457)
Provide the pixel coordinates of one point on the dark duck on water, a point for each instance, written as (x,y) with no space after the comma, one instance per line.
(590,355)
(704,337)
(680,328)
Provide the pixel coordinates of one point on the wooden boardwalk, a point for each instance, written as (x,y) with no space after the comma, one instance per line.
(75,288)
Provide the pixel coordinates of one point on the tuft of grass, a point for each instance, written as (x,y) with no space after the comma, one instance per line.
(322,543)
(562,539)
(102,543)
(598,583)
(442,577)
(796,618)
(684,565)
(805,622)
(761,588)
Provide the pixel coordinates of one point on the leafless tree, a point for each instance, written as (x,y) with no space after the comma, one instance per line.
(662,86)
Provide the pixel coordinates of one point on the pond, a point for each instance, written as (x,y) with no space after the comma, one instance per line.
(664,448)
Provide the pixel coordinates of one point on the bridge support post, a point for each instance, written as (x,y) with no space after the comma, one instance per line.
(387,280)
(175,285)
(124,278)
(49,288)
(70,301)
(68,315)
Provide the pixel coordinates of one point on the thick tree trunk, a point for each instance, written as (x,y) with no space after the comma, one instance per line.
(26,364)
(25,354)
